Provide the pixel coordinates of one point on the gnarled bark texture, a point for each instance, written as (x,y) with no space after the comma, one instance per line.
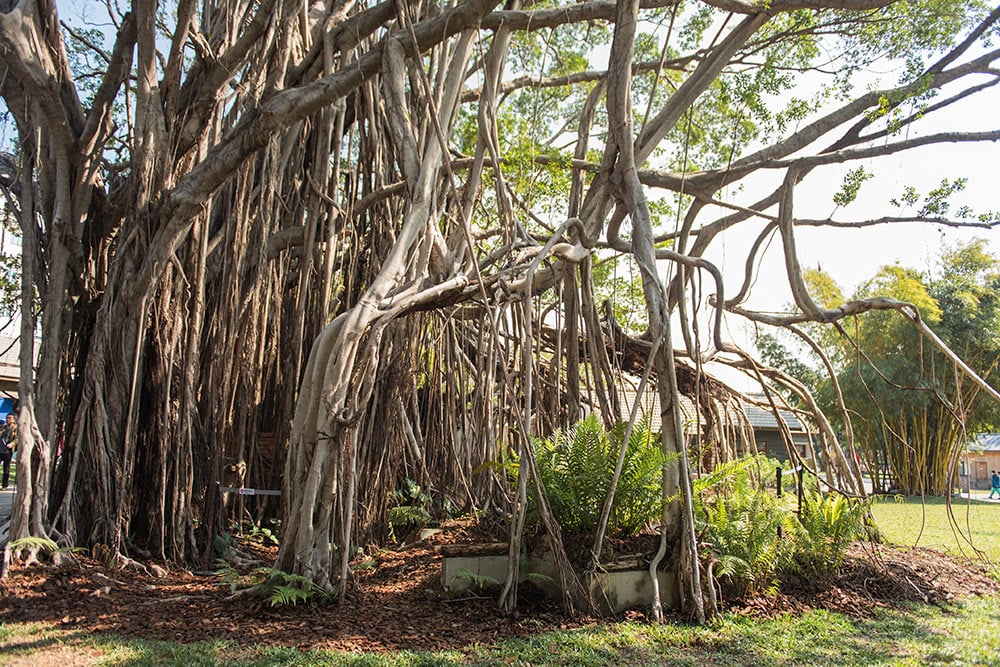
(328,248)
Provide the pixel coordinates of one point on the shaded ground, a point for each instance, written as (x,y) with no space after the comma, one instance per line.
(397,605)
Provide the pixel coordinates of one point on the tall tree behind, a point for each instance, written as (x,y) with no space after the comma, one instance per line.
(912,413)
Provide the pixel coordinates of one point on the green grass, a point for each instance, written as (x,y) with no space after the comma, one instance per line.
(967,633)
(903,519)
(958,634)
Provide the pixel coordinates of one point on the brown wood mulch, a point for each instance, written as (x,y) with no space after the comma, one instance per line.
(396,603)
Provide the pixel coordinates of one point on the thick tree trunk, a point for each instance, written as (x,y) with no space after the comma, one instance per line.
(274,238)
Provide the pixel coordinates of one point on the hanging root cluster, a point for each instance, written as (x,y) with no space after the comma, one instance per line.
(325,250)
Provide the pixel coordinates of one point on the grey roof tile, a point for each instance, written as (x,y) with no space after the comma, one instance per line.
(764,418)
(986,442)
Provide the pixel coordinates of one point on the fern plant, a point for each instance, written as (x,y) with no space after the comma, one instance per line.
(279,587)
(37,543)
(742,524)
(42,545)
(639,496)
(827,525)
(284,589)
(573,470)
(576,468)
(480,582)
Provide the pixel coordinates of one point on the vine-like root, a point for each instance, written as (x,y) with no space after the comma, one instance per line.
(5,559)
(256,591)
(153,570)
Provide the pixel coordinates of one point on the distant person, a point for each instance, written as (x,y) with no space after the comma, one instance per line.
(8,443)
(994,484)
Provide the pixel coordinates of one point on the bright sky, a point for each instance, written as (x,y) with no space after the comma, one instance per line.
(852,256)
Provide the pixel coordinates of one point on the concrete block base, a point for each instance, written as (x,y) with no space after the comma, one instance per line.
(614,591)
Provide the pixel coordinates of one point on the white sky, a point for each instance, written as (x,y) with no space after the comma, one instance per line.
(852,256)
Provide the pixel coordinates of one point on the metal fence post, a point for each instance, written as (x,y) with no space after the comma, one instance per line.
(777,475)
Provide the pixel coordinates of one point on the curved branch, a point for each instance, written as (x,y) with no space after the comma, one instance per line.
(740,7)
(551,18)
(540,82)
(887,220)
(859,306)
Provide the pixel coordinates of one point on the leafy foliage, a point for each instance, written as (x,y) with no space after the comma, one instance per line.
(827,525)
(412,508)
(37,543)
(229,575)
(851,186)
(264,535)
(904,408)
(741,525)
(754,536)
(480,582)
(283,589)
(280,588)
(577,466)
(618,283)
(224,546)
(10,263)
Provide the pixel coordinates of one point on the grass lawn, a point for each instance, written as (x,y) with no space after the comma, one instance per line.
(961,634)
(902,519)
(964,633)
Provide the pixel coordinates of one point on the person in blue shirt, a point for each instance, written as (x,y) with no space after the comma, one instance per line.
(995,484)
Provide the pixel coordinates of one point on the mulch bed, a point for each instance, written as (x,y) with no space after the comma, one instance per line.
(396,603)
(879,577)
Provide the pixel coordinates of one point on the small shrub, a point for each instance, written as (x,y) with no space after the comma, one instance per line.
(739,522)
(263,535)
(576,468)
(411,509)
(827,525)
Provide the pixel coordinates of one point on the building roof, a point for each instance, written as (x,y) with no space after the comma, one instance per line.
(758,417)
(764,418)
(649,405)
(985,442)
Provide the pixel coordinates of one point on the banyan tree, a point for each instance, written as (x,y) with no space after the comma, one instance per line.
(326,247)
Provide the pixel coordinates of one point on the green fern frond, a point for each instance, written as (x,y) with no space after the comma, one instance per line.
(741,522)
(38,543)
(288,595)
(284,588)
(576,467)
(478,581)
(541,580)
(827,525)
